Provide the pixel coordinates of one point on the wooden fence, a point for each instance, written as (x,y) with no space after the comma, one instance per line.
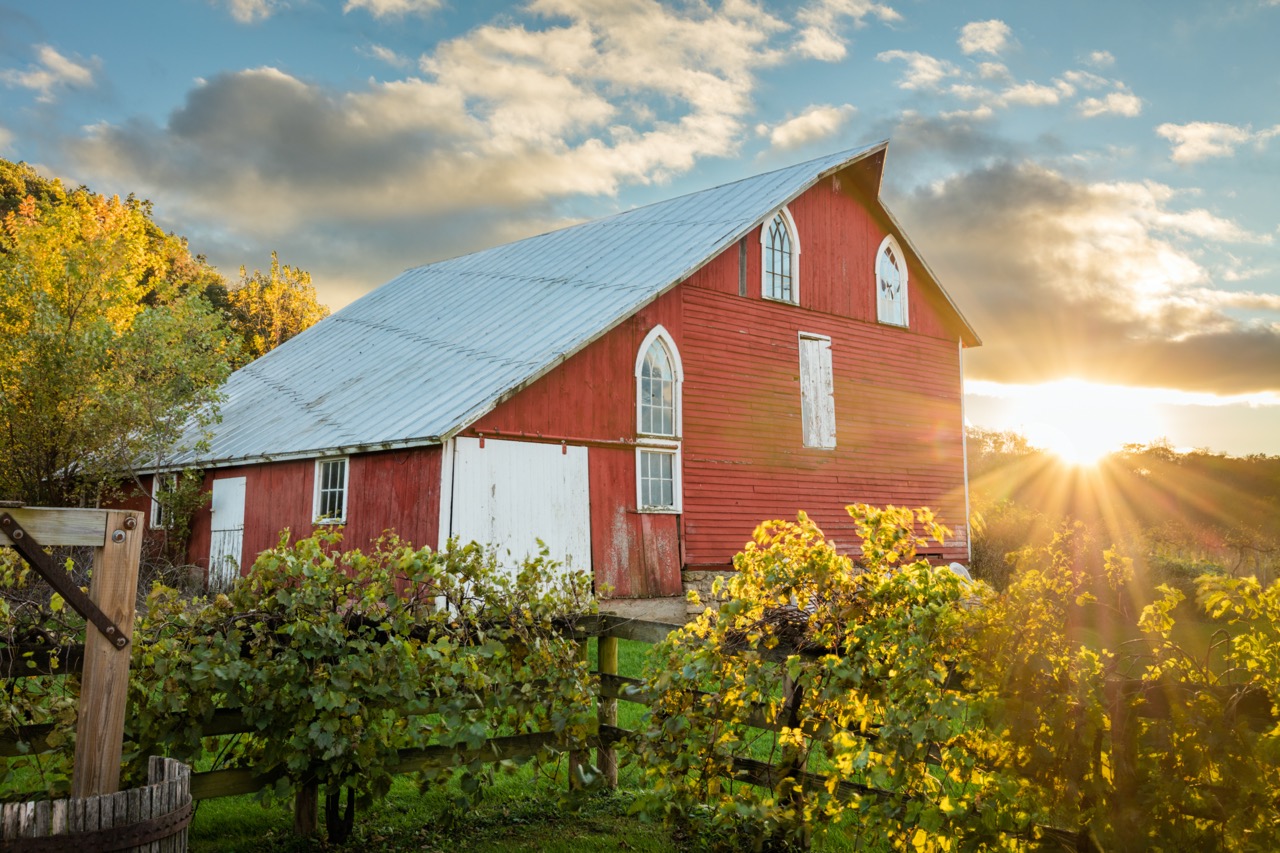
(613,687)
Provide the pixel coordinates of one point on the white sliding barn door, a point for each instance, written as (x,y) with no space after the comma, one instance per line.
(226,532)
(513,493)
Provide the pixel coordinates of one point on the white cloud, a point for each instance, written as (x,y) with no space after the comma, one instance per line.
(6,138)
(1033,95)
(1202,140)
(1120,103)
(1085,79)
(251,11)
(394,8)
(820,36)
(814,124)
(1104,59)
(50,72)
(993,71)
(499,122)
(984,37)
(923,71)
(386,55)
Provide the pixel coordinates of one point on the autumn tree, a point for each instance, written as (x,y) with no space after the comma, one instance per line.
(109,345)
(267,309)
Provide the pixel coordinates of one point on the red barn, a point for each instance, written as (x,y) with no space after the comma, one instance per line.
(637,391)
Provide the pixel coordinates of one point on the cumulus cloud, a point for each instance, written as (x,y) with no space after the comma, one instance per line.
(1103,58)
(984,37)
(814,124)
(50,72)
(1119,103)
(252,11)
(495,127)
(821,35)
(393,8)
(1203,140)
(1100,280)
(922,72)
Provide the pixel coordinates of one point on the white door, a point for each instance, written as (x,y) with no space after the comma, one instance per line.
(513,493)
(226,532)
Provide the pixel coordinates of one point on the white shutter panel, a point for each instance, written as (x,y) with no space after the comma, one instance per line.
(817,392)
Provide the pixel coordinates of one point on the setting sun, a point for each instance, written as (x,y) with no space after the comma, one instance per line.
(1081,422)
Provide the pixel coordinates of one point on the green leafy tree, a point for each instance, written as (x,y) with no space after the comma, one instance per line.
(107,356)
(267,309)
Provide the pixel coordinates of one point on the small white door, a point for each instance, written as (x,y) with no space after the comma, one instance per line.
(513,493)
(226,532)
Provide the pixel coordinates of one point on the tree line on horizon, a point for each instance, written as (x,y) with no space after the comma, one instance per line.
(1176,514)
(115,336)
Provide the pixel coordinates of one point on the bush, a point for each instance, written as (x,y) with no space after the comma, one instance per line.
(340,660)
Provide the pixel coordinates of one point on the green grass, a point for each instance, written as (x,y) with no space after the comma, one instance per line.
(519,813)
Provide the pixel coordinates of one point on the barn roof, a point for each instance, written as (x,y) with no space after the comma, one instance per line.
(427,354)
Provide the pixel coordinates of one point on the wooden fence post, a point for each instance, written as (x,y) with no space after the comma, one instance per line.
(606,755)
(578,757)
(104,685)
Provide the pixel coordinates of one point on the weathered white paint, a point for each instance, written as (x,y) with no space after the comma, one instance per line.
(513,493)
(226,538)
(446,494)
(817,391)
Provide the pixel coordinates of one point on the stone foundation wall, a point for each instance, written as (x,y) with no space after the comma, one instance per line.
(701,580)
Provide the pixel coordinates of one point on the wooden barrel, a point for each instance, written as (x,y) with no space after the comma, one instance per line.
(153,819)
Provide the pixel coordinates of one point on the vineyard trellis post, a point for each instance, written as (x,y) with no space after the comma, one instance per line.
(116,539)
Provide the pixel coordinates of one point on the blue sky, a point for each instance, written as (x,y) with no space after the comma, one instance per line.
(1094,183)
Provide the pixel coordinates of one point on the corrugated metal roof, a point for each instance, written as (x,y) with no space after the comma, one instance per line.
(425,355)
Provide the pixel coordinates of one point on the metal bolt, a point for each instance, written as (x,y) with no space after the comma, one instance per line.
(117,537)
(130,522)
(17,533)
(6,521)
(120,641)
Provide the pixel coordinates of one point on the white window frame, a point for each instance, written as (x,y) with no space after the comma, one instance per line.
(667,444)
(794,233)
(817,404)
(666,448)
(883,305)
(156,521)
(316,518)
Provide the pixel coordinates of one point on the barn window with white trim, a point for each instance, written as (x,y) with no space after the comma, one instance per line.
(658,380)
(780,263)
(891,283)
(331,491)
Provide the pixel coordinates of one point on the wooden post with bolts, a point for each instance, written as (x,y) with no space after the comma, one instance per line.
(116,539)
(104,685)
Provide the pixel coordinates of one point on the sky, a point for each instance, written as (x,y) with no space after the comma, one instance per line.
(1095,184)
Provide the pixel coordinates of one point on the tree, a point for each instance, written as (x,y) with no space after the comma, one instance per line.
(266,310)
(108,352)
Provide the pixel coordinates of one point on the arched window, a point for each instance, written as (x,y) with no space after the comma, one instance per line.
(891,283)
(781,258)
(658,379)
(657,399)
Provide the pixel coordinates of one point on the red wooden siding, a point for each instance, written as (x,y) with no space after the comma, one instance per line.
(898,424)
(635,554)
(398,490)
